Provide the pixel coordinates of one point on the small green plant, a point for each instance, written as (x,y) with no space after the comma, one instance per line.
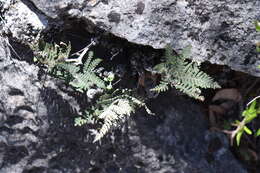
(56,58)
(50,55)
(183,75)
(85,78)
(110,108)
(249,114)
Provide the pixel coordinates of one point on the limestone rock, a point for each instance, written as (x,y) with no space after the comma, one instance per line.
(21,22)
(221,32)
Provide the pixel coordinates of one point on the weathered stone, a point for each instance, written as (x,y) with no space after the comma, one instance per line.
(21,22)
(37,133)
(221,32)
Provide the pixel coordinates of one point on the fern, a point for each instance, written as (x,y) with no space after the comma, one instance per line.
(79,121)
(87,78)
(55,57)
(121,107)
(162,87)
(112,109)
(184,76)
(49,54)
(112,116)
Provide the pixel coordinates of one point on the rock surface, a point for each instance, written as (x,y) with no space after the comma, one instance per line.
(37,134)
(21,22)
(221,32)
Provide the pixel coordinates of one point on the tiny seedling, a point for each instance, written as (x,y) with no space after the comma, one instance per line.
(249,114)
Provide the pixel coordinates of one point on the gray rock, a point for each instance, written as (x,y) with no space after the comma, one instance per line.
(25,111)
(221,32)
(179,142)
(37,133)
(21,22)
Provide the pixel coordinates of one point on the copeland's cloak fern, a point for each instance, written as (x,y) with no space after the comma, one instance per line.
(82,81)
(112,109)
(55,57)
(112,116)
(185,76)
(49,54)
(120,105)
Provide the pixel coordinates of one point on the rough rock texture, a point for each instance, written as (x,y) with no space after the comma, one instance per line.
(37,133)
(21,22)
(221,32)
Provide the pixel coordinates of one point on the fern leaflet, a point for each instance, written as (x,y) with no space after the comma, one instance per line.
(182,75)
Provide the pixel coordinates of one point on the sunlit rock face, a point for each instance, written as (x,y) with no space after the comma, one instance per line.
(20,21)
(221,32)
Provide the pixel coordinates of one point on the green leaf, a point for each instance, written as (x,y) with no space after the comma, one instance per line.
(238,136)
(252,107)
(257,26)
(247,130)
(258,49)
(250,117)
(109,87)
(251,112)
(160,68)
(244,113)
(257,133)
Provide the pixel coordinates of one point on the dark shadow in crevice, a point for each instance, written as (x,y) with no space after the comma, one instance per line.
(15,91)
(74,142)
(21,51)
(24,107)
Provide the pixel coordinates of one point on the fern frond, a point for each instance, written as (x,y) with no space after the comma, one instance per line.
(92,65)
(64,51)
(51,54)
(79,121)
(116,107)
(56,57)
(185,76)
(189,90)
(140,103)
(168,53)
(160,68)
(194,77)
(96,80)
(81,82)
(90,58)
(71,68)
(162,87)
(85,79)
(112,116)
